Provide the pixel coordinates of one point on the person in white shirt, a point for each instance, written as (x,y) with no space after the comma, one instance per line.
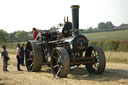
(18,56)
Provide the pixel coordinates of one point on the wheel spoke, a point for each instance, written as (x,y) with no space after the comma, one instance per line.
(96,65)
(97,60)
(55,66)
(92,55)
(95,52)
(59,71)
(29,59)
(96,56)
(57,53)
(30,66)
(59,59)
(55,57)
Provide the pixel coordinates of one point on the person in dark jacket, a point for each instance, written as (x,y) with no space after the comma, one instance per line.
(22,55)
(5,57)
(35,33)
(18,56)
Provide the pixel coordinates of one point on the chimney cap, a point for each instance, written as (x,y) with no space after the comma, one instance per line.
(75,6)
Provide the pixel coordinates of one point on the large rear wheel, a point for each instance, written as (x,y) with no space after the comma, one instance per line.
(33,54)
(60,62)
(98,53)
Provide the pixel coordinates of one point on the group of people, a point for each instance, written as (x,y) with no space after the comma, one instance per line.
(19,56)
(19,53)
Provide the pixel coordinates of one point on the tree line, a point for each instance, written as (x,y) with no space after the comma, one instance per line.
(21,36)
(18,36)
(102,27)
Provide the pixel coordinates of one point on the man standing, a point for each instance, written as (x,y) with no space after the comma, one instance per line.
(22,55)
(5,57)
(35,33)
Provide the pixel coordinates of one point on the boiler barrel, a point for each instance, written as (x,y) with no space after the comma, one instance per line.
(75,19)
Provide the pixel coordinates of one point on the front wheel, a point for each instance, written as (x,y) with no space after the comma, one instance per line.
(33,54)
(60,62)
(98,53)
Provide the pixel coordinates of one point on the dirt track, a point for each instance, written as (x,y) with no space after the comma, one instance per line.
(115,74)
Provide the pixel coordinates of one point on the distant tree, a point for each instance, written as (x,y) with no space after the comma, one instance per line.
(90,29)
(109,25)
(3,36)
(95,29)
(22,36)
(102,26)
(12,37)
(123,26)
(81,30)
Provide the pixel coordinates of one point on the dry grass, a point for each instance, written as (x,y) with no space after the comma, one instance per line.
(115,74)
(118,57)
(10,51)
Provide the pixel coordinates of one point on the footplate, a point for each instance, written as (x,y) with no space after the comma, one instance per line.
(83,60)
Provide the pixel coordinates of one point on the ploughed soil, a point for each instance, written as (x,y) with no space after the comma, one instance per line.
(115,74)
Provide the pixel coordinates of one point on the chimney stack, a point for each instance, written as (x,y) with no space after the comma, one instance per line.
(75,19)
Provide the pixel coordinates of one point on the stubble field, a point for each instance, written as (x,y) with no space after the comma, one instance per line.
(115,74)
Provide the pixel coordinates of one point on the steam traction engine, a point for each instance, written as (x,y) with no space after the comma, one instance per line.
(62,50)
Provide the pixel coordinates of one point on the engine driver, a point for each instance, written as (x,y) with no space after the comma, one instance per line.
(35,33)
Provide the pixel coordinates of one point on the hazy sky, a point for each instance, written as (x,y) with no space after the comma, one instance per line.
(43,14)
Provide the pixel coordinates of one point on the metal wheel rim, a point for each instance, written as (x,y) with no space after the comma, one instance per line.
(57,63)
(30,57)
(95,66)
